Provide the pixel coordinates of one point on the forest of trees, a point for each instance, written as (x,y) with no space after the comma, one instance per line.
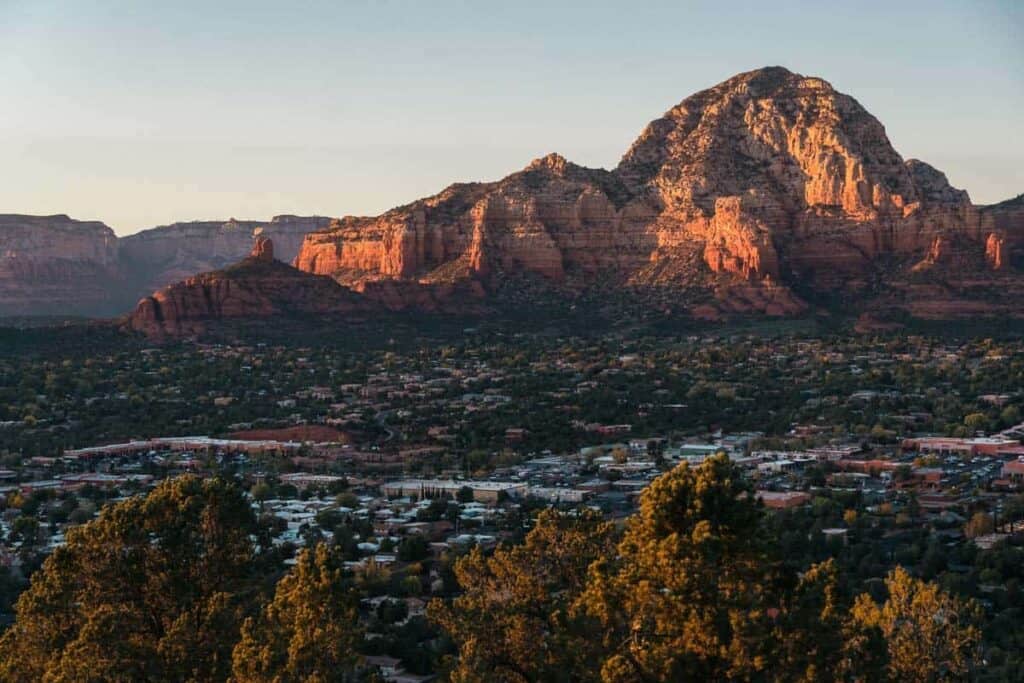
(183,585)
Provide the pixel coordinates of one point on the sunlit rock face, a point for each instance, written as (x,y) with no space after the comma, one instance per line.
(768,193)
(775,179)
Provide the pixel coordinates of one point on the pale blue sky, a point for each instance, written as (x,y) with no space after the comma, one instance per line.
(142,113)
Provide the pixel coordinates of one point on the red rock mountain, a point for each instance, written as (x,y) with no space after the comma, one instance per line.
(768,193)
(764,191)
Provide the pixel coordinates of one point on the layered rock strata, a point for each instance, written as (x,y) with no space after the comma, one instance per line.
(54,265)
(777,180)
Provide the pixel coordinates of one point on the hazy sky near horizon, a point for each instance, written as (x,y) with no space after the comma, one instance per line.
(145,113)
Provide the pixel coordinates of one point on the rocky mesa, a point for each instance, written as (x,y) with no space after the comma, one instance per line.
(54,265)
(769,193)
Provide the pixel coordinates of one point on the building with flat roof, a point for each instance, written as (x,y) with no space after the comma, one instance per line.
(483,491)
(941,445)
(185,444)
(781,500)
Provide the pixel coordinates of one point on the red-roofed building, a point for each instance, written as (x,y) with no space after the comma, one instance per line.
(1014,471)
(783,500)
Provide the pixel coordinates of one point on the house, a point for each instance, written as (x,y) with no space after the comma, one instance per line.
(387,666)
(1014,471)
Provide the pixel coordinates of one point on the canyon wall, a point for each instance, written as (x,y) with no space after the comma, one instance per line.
(53,265)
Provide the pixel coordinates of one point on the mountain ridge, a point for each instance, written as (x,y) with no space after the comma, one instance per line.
(768,193)
(779,181)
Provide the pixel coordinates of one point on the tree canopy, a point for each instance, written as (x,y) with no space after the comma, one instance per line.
(514,622)
(694,589)
(688,593)
(309,632)
(154,589)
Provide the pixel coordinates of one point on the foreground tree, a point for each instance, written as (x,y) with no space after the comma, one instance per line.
(154,589)
(514,621)
(690,593)
(309,632)
(927,635)
(813,635)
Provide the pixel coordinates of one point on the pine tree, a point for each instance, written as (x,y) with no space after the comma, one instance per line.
(927,634)
(154,589)
(513,621)
(309,632)
(690,591)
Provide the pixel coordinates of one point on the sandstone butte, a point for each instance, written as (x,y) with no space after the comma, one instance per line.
(261,286)
(258,286)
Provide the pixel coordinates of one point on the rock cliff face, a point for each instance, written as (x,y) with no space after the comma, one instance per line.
(53,265)
(779,182)
(258,286)
(768,193)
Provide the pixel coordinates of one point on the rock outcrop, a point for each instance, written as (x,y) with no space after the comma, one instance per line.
(259,286)
(1004,223)
(776,180)
(995,251)
(163,255)
(262,249)
(53,265)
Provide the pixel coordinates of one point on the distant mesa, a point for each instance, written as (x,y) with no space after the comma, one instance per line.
(54,265)
(258,286)
(770,193)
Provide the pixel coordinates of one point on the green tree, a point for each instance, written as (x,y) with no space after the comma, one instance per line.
(413,548)
(928,635)
(976,421)
(979,524)
(1010,416)
(811,629)
(308,632)
(261,492)
(514,621)
(26,530)
(154,589)
(687,596)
